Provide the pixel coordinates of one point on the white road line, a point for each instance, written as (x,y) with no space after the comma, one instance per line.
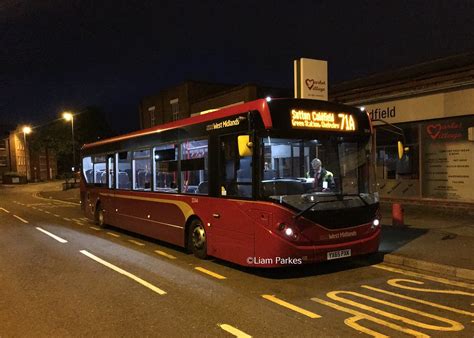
(123,272)
(21,219)
(59,239)
(95,228)
(79,223)
(5,210)
(67,219)
(36,195)
(232,330)
(164,254)
(56,215)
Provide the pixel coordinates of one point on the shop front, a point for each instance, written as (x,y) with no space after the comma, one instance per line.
(439,135)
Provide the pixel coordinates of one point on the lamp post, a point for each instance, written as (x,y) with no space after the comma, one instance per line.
(68,116)
(26,130)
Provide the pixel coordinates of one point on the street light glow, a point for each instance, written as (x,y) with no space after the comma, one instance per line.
(26,129)
(67,116)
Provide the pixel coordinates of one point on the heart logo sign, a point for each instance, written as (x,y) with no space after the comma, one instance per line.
(309,83)
(433,130)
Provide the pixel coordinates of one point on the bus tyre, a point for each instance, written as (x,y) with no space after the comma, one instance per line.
(99,216)
(197,239)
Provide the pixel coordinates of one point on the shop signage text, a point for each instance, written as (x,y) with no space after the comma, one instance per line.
(444,131)
(377,114)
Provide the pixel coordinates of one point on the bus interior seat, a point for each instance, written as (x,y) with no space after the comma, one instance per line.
(269,174)
(124,181)
(203,188)
(244,177)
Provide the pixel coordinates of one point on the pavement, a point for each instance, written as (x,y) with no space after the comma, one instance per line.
(434,238)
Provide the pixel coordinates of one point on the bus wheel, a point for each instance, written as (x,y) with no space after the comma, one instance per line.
(99,216)
(198,239)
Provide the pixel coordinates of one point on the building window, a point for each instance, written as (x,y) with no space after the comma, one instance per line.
(3,161)
(175,109)
(151,110)
(3,144)
(398,177)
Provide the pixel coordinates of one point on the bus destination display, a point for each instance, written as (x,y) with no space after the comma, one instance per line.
(322,120)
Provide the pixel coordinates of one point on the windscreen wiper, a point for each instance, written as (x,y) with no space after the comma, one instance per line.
(339,197)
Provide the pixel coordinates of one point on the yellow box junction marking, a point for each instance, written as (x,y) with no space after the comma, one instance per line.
(357,316)
(210,273)
(420,275)
(290,306)
(452,325)
(439,306)
(396,282)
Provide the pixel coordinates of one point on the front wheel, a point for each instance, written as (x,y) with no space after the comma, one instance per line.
(197,239)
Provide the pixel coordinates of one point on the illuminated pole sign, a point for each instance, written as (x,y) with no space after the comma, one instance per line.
(322,120)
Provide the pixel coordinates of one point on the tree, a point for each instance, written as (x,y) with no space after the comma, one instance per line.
(90,125)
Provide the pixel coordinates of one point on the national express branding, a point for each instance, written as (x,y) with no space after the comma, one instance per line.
(382,113)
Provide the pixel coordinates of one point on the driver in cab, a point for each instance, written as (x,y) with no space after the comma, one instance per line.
(323,179)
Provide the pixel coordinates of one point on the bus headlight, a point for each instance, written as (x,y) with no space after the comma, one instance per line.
(289,232)
(375,223)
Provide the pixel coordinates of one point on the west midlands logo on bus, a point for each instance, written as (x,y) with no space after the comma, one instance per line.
(225,124)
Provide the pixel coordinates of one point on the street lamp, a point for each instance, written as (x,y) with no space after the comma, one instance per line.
(26,130)
(68,116)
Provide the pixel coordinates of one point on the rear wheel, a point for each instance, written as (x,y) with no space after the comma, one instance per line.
(197,239)
(99,216)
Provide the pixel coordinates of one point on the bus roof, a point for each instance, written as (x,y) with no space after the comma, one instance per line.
(258,105)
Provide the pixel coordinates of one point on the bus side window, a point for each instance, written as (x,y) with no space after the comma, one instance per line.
(124,170)
(141,170)
(194,167)
(166,168)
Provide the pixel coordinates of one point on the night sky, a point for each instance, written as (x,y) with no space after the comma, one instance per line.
(67,54)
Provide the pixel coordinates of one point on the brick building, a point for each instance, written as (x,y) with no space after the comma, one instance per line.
(192,97)
(37,165)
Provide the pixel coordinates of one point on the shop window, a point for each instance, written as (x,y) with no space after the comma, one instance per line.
(389,166)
